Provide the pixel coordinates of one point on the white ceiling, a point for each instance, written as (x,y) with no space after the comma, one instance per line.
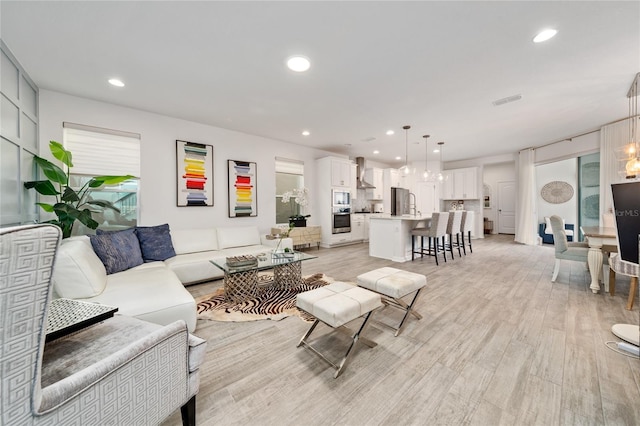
(436,66)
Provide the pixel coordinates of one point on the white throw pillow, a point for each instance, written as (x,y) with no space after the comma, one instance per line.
(78,272)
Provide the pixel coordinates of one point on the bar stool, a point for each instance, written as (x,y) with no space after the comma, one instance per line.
(453,228)
(437,230)
(465,227)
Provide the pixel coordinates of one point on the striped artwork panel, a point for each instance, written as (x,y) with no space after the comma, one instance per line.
(242,189)
(195,174)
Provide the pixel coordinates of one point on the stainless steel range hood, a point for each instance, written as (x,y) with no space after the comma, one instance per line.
(361,183)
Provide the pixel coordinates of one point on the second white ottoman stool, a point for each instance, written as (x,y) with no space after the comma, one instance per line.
(395,284)
(335,305)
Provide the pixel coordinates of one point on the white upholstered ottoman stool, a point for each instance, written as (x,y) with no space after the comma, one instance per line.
(335,305)
(394,284)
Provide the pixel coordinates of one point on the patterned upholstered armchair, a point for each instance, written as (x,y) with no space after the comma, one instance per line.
(122,371)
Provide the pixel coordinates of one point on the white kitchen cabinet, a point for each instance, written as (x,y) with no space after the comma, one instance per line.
(341,173)
(460,184)
(357,227)
(367,222)
(375,178)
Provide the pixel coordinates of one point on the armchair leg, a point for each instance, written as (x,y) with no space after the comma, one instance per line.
(633,288)
(188,412)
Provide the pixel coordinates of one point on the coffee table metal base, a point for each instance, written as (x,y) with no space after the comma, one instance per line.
(287,276)
(241,286)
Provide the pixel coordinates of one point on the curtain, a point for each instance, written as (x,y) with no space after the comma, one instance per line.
(612,137)
(526,216)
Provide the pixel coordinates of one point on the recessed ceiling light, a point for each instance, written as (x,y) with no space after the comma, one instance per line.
(390,132)
(436,150)
(398,158)
(298,63)
(306,133)
(545,35)
(376,152)
(116,82)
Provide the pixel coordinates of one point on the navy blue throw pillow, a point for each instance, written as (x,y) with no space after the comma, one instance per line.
(155,242)
(118,250)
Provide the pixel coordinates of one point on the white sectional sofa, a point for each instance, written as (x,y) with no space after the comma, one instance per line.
(154,291)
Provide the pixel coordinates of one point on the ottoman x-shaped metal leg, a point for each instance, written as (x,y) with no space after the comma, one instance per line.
(402,305)
(355,338)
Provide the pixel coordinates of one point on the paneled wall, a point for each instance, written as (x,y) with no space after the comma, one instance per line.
(18,141)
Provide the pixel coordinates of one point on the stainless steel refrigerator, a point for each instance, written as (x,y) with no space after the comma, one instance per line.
(400,203)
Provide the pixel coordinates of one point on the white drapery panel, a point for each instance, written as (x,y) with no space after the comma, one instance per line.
(612,136)
(526,216)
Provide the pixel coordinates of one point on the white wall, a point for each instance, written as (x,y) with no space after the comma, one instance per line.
(158,159)
(565,171)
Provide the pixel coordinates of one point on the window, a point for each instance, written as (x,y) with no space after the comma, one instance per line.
(289,176)
(98,152)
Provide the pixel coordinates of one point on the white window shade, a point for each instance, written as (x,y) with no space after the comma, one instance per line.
(293,167)
(98,152)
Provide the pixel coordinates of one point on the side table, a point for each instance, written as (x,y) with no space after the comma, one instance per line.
(66,316)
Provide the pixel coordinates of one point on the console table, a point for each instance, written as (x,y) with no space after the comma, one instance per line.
(304,236)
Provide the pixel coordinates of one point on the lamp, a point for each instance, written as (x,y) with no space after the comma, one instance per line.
(427,175)
(441,177)
(630,153)
(406,149)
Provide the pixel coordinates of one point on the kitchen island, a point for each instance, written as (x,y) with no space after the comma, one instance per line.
(390,236)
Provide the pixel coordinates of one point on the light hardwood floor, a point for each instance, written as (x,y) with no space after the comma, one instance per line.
(499,344)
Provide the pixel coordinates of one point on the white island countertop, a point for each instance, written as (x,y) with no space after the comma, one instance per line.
(390,236)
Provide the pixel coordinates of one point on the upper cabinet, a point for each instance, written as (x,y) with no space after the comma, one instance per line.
(374,177)
(461,184)
(341,173)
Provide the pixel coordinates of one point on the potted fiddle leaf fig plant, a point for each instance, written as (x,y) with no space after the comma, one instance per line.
(70,204)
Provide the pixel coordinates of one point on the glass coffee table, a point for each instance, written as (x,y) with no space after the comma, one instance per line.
(241,283)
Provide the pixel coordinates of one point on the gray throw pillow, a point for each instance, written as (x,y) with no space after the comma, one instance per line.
(155,242)
(118,250)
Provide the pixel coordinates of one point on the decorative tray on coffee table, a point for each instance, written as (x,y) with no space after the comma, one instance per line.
(240,261)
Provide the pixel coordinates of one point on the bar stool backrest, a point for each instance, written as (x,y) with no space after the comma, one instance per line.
(466,224)
(439,222)
(453,225)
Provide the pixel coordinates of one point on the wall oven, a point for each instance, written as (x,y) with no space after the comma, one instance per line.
(341,220)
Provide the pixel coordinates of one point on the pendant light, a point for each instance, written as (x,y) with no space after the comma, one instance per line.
(632,149)
(406,149)
(441,177)
(427,176)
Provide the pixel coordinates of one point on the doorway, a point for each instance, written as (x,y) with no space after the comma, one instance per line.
(507,207)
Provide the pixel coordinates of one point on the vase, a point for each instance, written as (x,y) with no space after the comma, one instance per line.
(299,223)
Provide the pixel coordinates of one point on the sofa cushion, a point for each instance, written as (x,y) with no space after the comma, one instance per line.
(238,237)
(150,292)
(195,267)
(155,242)
(118,250)
(194,240)
(78,272)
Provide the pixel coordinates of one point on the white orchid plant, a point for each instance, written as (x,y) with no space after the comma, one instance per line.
(299,196)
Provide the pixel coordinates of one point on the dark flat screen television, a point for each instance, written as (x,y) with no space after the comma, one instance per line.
(626,206)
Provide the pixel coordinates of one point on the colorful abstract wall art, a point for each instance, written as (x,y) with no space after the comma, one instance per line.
(195,174)
(243,189)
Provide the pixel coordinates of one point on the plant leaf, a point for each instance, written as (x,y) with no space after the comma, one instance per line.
(108,180)
(51,171)
(104,203)
(60,153)
(46,207)
(43,187)
(85,218)
(70,196)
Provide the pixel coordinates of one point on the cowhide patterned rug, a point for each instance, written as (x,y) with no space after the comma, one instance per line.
(272,304)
